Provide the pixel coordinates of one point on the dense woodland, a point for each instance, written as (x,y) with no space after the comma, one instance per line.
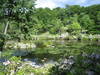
(21,19)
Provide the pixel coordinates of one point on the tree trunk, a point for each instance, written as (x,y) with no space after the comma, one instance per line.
(6,27)
(3,38)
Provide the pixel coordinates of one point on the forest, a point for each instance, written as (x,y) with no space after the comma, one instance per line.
(21,20)
(71,35)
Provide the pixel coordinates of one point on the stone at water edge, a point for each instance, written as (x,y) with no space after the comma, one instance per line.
(6,63)
(90,73)
(32,74)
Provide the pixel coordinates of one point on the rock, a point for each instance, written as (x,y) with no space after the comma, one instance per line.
(20,45)
(95,56)
(88,62)
(12,72)
(90,73)
(32,74)
(64,35)
(6,63)
(66,64)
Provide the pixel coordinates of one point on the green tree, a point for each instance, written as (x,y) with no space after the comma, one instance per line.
(98,18)
(74,28)
(96,27)
(15,10)
(73,9)
(86,22)
(56,26)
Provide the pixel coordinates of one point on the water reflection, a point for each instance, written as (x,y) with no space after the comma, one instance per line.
(39,56)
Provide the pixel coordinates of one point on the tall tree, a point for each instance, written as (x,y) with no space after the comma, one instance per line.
(86,22)
(15,10)
(18,10)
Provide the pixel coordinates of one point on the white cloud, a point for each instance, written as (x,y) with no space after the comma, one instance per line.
(46,3)
(55,3)
(81,1)
(49,3)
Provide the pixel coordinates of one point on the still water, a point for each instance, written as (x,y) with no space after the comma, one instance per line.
(53,52)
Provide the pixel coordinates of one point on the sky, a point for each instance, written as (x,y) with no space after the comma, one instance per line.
(61,3)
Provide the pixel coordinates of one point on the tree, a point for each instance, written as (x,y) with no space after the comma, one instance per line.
(15,10)
(96,27)
(86,22)
(55,26)
(74,9)
(74,28)
(98,18)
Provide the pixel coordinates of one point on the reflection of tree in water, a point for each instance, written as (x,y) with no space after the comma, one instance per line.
(88,64)
(91,48)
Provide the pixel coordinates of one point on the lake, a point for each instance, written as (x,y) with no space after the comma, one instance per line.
(52,51)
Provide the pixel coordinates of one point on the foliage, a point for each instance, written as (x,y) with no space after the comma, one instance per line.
(25,20)
(17,67)
(86,22)
(80,65)
(15,15)
(74,28)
